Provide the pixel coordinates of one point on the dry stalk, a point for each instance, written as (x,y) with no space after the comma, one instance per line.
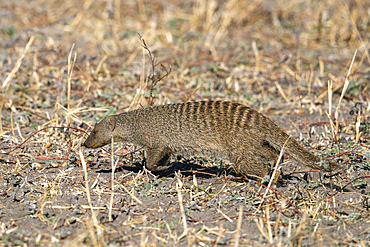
(322,66)
(291,72)
(289,229)
(131,193)
(279,219)
(238,226)
(330,102)
(281,91)
(114,165)
(153,77)
(274,175)
(160,233)
(40,211)
(268,224)
(354,25)
(80,236)
(90,227)
(228,16)
(144,237)
(260,226)
(71,64)
(17,64)
(172,236)
(142,9)
(87,189)
(100,64)
(219,235)
(11,123)
(310,82)
(142,84)
(56,117)
(358,123)
(179,185)
(11,75)
(297,232)
(332,198)
(276,172)
(346,83)
(72,113)
(224,215)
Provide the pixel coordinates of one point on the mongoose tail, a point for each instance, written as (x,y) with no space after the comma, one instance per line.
(279,139)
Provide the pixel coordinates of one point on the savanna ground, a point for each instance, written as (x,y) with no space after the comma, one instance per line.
(67,64)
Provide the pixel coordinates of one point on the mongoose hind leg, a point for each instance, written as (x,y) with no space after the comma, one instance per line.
(157,160)
(256,161)
(252,166)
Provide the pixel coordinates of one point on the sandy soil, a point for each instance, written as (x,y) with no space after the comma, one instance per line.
(275,57)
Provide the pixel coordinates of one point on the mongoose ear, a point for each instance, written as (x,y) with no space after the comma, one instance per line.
(111,124)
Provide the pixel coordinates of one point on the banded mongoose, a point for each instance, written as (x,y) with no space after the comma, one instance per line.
(209,129)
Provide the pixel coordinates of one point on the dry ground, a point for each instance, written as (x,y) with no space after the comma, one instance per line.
(67,64)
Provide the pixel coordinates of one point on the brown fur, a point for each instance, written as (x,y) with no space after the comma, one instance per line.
(217,129)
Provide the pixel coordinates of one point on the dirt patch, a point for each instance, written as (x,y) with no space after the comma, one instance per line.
(276,58)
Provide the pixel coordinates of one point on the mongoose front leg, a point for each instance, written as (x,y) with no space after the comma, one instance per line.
(157,159)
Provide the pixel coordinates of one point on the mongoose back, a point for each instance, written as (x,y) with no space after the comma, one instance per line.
(210,129)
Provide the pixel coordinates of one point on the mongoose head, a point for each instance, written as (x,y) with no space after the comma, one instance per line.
(102,133)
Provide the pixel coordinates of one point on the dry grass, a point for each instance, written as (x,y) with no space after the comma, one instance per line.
(65,66)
